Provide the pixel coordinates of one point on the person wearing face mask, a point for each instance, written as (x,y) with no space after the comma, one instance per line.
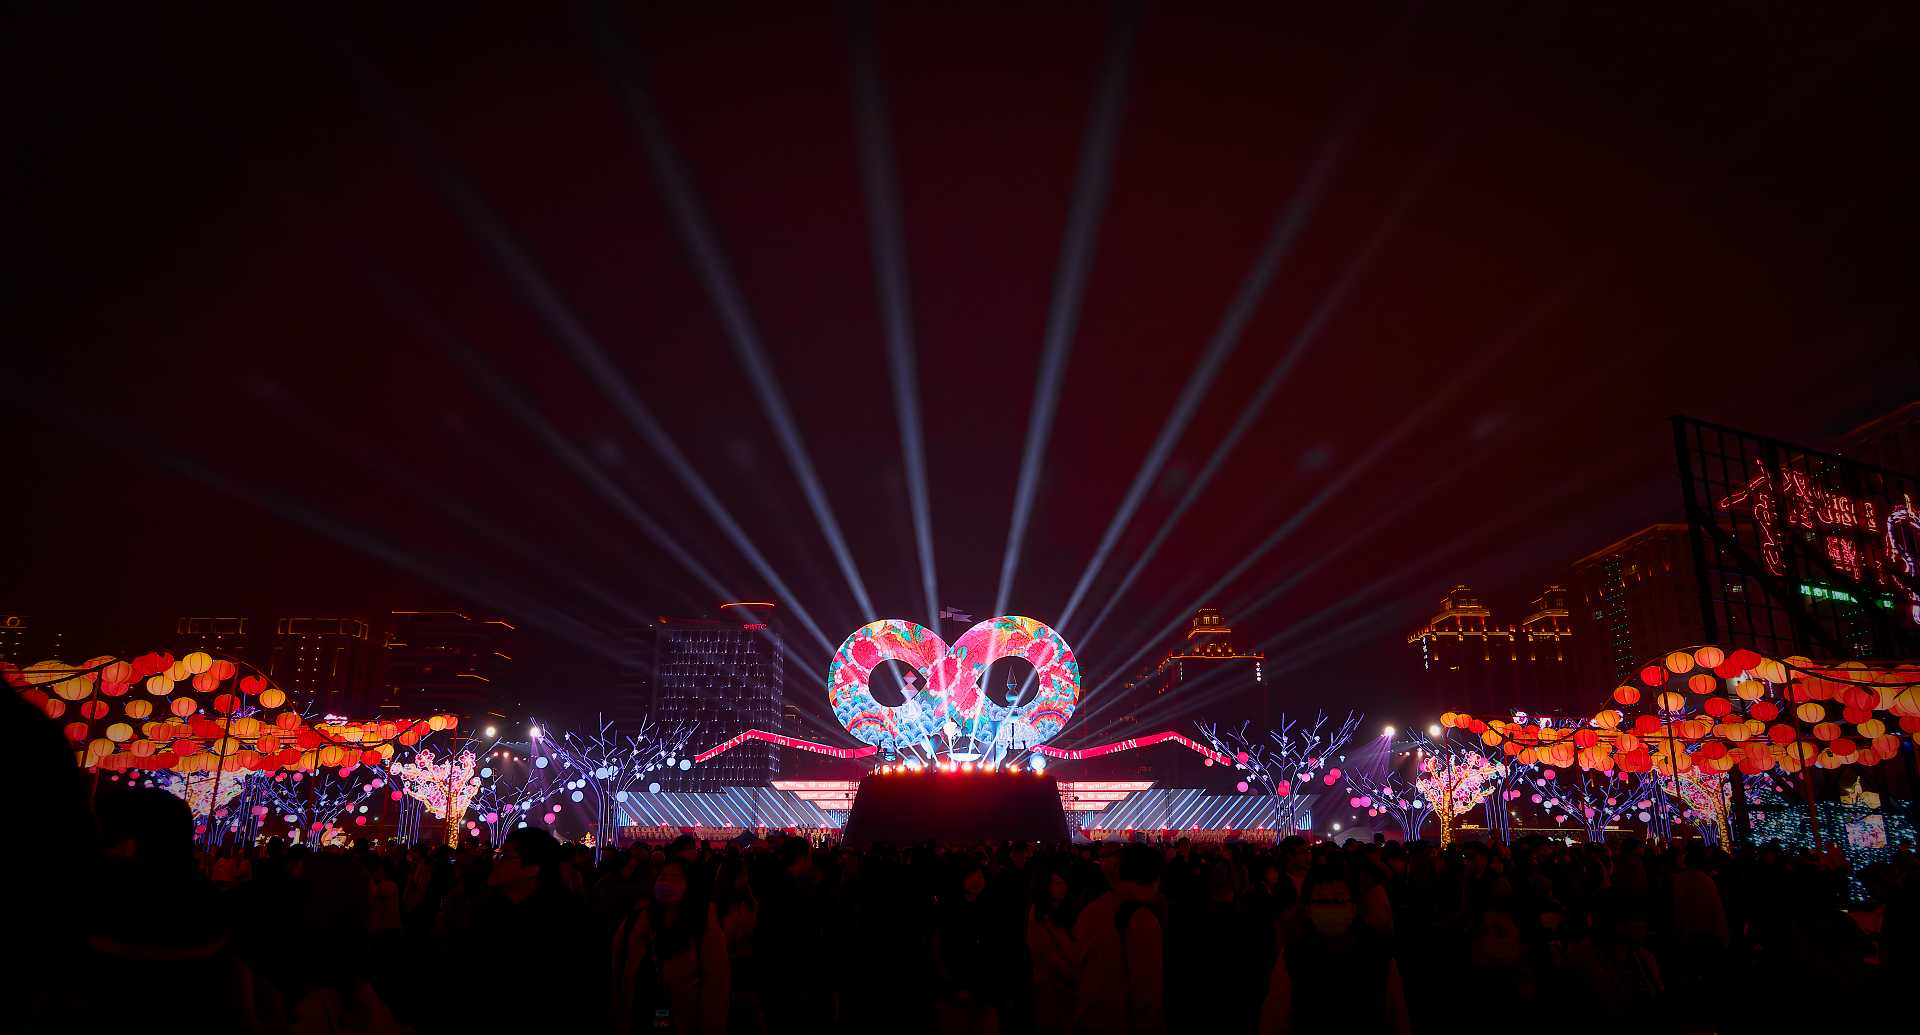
(671,963)
(1333,972)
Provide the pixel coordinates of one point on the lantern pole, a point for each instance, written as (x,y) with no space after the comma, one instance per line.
(1673,767)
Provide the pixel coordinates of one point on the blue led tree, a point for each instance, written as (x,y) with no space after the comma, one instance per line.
(1284,764)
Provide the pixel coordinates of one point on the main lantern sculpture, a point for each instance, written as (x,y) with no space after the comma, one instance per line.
(946,712)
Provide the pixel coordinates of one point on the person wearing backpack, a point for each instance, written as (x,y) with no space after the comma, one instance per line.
(1121,989)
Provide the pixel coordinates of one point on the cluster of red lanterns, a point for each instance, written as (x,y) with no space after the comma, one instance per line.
(198,713)
(1720,710)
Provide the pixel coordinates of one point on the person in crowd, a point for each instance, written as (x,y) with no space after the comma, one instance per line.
(559,954)
(1050,945)
(1333,973)
(1611,967)
(147,841)
(965,960)
(792,925)
(1121,986)
(671,966)
(331,987)
(737,912)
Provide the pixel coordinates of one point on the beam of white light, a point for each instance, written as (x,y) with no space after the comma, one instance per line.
(1283,659)
(413,482)
(1070,278)
(1287,226)
(539,295)
(1303,339)
(411,308)
(887,239)
(415,312)
(1365,534)
(702,242)
(116,433)
(1482,359)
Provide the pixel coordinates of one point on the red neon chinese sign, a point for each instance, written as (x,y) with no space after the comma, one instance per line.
(1852,535)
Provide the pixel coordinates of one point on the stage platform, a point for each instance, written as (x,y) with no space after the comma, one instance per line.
(908,806)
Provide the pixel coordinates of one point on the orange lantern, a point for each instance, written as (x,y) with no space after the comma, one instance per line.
(119,733)
(1702,683)
(1670,702)
(118,672)
(1626,695)
(272,697)
(1810,712)
(1826,730)
(159,685)
(183,706)
(139,709)
(1679,661)
(1709,657)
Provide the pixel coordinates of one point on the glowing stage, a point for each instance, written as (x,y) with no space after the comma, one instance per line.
(956,807)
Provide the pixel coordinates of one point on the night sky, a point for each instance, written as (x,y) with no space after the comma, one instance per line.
(1548,231)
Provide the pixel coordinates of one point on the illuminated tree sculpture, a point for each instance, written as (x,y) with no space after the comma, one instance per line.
(312,802)
(1593,799)
(502,805)
(1455,780)
(1707,798)
(1387,793)
(1284,764)
(609,766)
(446,787)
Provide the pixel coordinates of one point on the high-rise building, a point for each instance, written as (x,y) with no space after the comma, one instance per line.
(1635,599)
(632,700)
(232,637)
(447,661)
(722,676)
(1471,662)
(329,661)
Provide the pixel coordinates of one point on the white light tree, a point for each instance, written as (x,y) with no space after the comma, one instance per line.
(1284,764)
(603,769)
(502,804)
